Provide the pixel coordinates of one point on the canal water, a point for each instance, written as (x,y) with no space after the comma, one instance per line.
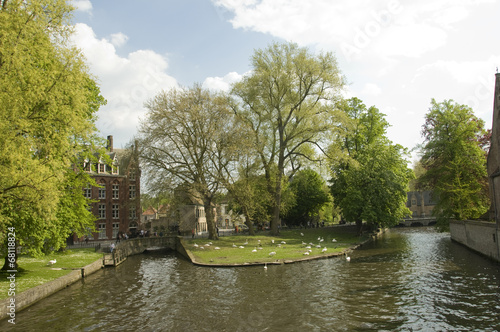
(409,280)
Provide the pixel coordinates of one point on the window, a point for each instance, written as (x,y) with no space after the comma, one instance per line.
(102,168)
(132,191)
(132,175)
(102,231)
(115,169)
(87,192)
(116,229)
(116,191)
(115,210)
(102,191)
(132,212)
(102,211)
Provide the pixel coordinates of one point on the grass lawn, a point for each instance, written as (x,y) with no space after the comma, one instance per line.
(240,249)
(36,271)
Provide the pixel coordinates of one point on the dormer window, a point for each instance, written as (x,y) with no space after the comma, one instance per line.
(102,168)
(132,175)
(115,169)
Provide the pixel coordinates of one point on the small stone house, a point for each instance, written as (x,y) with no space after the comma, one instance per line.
(420,203)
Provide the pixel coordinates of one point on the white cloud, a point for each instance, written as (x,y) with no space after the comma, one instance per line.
(371,89)
(360,29)
(82,5)
(118,39)
(126,83)
(222,83)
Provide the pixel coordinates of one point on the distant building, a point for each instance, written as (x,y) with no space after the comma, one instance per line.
(420,203)
(117,203)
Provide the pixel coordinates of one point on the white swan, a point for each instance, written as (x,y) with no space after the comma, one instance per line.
(255,250)
(324,249)
(52,261)
(272,253)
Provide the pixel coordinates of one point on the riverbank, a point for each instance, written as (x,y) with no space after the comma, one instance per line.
(290,246)
(37,278)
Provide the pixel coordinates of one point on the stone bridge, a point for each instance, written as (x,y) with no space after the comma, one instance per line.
(417,222)
(139,245)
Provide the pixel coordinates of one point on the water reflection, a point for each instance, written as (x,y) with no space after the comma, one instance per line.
(412,279)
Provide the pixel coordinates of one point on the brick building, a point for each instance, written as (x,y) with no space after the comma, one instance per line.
(117,205)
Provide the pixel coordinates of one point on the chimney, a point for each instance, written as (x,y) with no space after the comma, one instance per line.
(110,143)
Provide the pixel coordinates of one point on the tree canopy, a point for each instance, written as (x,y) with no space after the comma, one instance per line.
(371,180)
(288,103)
(190,138)
(48,107)
(310,194)
(454,158)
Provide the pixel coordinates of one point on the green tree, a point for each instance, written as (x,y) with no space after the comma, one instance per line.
(310,195)
(190,138)
(454,158)
(370,181)
(287,101)
(48,107)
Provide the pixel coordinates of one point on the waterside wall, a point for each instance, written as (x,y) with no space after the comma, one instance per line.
(32,295)
(479,236)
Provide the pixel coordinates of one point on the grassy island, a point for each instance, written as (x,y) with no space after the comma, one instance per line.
(290,245)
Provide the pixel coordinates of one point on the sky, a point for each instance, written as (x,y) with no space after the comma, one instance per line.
(395,54)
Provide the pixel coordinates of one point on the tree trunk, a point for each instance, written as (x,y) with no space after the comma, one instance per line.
(359,226)
(209,215)
(248,222)
(10,263)
(276,222)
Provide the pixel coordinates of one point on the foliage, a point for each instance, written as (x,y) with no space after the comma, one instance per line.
(48,110)
(310,195)
(454,159)
(189,138)
(286,102)
(370,183)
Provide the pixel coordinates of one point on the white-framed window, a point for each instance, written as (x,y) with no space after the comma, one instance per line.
(115,169)
(116,229)
(87,192)
(131,191)
(102,211)
(102,168)
(102,191)
(115,211)
(102,231)
(116,191)
(132,212)
(132,175)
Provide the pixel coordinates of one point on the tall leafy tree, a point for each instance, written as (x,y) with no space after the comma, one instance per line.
(190,138)
(287,101)
(48,105)
(310,195)
(371,180)
(454,158)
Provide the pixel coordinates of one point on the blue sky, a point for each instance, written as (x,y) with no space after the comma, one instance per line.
(396,54)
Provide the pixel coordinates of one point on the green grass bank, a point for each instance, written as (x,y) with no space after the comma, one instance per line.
(37,271)
(290,245)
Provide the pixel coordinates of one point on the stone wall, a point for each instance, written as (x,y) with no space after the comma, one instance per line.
(35,294)
(479,236)
(139,245)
